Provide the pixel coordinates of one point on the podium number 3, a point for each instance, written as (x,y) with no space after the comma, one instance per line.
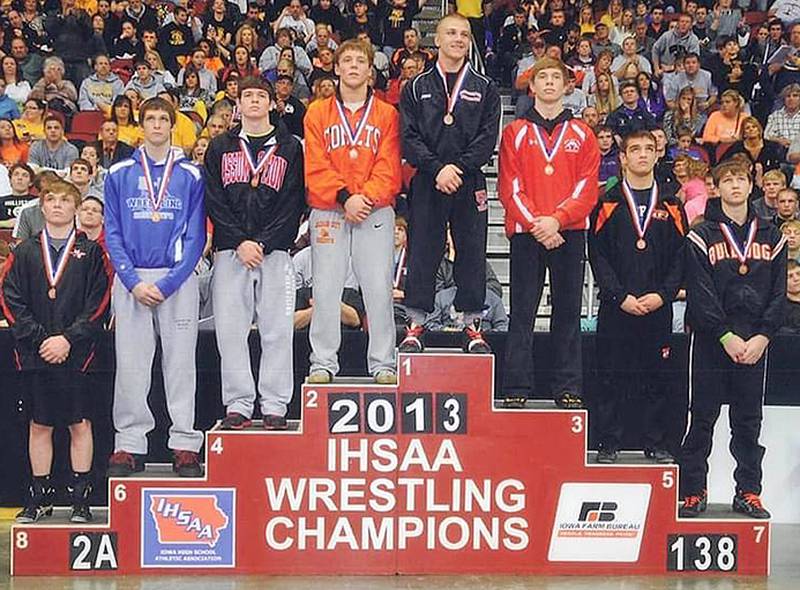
(577,424)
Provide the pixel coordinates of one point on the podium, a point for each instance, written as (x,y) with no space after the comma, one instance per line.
(426,477)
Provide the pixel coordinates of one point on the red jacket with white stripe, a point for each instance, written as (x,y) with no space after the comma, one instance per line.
(527,192)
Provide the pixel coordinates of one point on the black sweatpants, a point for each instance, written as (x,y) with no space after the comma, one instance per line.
(529,260)
(634,359)
(714,379)
(430,212)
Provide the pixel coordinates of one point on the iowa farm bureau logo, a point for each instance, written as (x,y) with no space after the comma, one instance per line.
(598,519)
(188,528)
(597,512)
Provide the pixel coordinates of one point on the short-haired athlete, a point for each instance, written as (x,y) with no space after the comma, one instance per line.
(635,249)
(735,296)
(353,176)
(548,184)
(54,292)
(255,194)
(155,235)
(450,117)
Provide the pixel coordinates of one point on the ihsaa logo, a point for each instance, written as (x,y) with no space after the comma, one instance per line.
(188,528)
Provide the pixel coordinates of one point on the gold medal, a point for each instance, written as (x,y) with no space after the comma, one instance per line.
(51,293)
(742,269)
(641,244)
(353,154)
(448,119)
(254,181)
(156,217)
(549,170)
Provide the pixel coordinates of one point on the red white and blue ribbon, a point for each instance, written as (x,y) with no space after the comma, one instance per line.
(255,170)
(640,226)
(157,198)
(548,153)
(52,273)
(353,135)
(741,254)
(452,96)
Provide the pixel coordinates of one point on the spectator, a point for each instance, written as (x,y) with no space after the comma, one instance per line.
(787,209)
(215,125)
(71,29)
(326,12)
(725,125)
(293,17)
(58,93)
(582,61)
(81,175)
(175,39)
(299,87)
(396,18)
(111,149)
(207,78)
(324,67)
(194,97)
(670,45)
(686,145)
(698,79)
(53,152)
(400,270)
(127,45)
(445,317)
(644,42)
(160,73)
(602,66)
(591,117)
(683,113)
(766,207)
(242,64)
(143,81)
(90,219)
(604,98)
(99,90)
(289,108)
(783,126)
(574,98)
(609,155)
(17,87)
(198,152)
(122,113)
(322,38)
(764,155)
(411,48)
(12,205)
(30,63)
(791,320)
(12,149)
(91,153)
(271,55)
(8,107)
(629,57)
(184,133)
(30,126)
(650,96)
(791,229)
(601,41)
(326,87)
(362,20)
(142,15)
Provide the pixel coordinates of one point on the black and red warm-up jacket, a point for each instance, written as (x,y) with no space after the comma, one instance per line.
(77,312)
(622,269)
(720,299)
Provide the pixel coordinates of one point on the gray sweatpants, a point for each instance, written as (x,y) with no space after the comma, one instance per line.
(268,293)
(137,328)
(370,245)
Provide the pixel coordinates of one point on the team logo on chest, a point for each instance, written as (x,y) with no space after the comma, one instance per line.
(572,146)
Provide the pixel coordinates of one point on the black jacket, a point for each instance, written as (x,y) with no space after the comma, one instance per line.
(269,214)
(719,299)
(429,144)
(619,267)
(77,312)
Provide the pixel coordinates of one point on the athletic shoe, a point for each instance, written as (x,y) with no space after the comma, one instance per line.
(186,464)
(33,513)
(413,340)
(275,422)
(320,377)
(81,514)
(235,421)
(473,340)
(386,377)
(569,401)
(123,464)
(750,504)
(606,456)
(659,456)
(693,506)
(515,402)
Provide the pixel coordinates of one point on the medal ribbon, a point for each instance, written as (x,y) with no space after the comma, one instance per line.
(549,154)
(262,164)
(352,136)
(641,228)
(157,199)
(53,276)
(751,235)
(452,97)
(401,262)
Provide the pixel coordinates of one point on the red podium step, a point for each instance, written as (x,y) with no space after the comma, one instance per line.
(425,477)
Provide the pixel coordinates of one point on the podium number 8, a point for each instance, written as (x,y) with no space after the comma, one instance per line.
(22,540)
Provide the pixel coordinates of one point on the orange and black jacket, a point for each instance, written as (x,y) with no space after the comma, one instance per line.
(619,267)
(332,175)
(77,312)
(720,299)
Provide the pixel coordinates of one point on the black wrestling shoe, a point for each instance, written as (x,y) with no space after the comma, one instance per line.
(693,506)
(235,421)
(750,504)
(473,340)
(123,464)
(413,340)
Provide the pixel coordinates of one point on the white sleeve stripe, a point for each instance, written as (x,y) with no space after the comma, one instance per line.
(520,136)
(578,188)
(577,129)
(698,241)
(778,248)
(520,205)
